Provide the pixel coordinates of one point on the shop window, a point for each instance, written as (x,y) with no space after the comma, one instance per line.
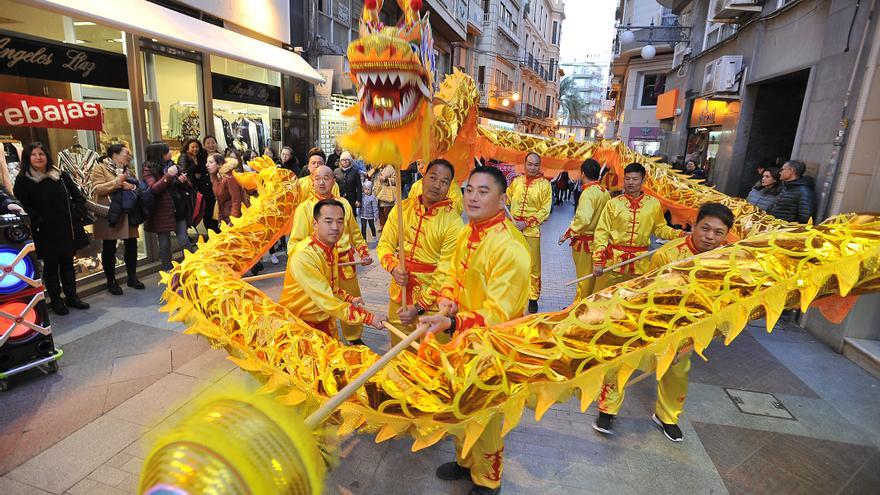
(173,97)
(652,86)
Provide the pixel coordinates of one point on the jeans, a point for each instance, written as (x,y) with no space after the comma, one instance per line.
(108,258)
(183,241)
(58,271)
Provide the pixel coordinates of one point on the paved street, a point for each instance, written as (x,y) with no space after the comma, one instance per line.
(772,413)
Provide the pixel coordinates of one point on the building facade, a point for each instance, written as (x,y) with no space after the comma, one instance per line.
(589,82)
(763,82)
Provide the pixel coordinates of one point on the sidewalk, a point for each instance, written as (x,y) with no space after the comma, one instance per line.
(772,413)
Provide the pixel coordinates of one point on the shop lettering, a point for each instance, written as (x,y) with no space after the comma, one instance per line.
(12,56)
(241,90)
(706,117)
(62,112)
(79,62)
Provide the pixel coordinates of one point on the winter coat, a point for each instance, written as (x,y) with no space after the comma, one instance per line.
(125,206)
(350,186)
(369,207)
(198,176)
(103,179)
(55,231)
(6,200)
(230,196)
(796,200)
(763,197)
(161,218)
(292,165)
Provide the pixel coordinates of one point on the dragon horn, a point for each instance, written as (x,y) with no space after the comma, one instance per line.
(410,10)
(371,11)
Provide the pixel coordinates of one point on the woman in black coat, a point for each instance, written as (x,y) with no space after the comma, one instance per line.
(192,162)
(50,197)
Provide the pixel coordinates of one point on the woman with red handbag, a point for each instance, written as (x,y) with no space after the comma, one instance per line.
(169,213)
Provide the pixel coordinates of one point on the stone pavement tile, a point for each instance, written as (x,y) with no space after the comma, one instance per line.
(119,392)
(159,400)
(108,475)
(185,348)
(867,479)
(210,365)
(9,486)
(125,368)
(88,486)
(61,466)
(729,450)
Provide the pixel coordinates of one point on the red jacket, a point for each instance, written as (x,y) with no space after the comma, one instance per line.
(230,196)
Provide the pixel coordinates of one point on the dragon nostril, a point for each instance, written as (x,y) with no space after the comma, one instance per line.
(360,48)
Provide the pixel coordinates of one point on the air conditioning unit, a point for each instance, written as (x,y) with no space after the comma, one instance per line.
(728,10)
(721,76)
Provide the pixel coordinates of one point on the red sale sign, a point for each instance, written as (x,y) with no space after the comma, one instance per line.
(37,111)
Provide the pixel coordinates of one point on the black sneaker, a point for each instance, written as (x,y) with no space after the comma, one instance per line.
(452,471)
(603,423)
(672,431)
(533,306)
(77,303)
(482,490)
(57,306)
(114,288)
(356,342)
(134,283)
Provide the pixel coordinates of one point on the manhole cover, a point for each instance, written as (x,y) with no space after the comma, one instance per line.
(758,403)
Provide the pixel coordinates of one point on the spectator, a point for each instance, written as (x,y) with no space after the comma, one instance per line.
(228,192)
(209,147)
(268,151)
(560,192)
(334,157)
(764,194)
(349,180)
(191,162)
(695,172)
(369,211)
(163,177)
(385,187)
(289,161)
(109,177)
(52,201)
(796,200)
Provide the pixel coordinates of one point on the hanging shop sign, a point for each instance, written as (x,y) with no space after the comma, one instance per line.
(243,91)
(652,133)
(17,110)
(707,112)
(39,58)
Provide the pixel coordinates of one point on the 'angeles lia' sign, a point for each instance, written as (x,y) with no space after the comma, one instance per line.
(36,111)
(39,58)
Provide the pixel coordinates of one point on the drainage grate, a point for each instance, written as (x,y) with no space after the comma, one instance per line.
(759,404)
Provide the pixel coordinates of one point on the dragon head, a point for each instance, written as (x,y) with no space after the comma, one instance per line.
(392,67)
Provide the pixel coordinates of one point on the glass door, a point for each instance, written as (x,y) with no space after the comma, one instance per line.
(173,97)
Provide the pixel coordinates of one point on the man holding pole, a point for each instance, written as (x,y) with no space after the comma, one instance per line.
(583,225)
(531,196)
(624,230)
(350,240)
(311,284)
(431,225)
(714,221)
(486,284)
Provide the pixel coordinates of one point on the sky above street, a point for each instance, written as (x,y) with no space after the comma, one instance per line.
(587,31)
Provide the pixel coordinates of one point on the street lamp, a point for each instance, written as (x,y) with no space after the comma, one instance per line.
(654,34)
(505,102)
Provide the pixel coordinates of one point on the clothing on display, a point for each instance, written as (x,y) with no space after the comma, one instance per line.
(78,162)
(183,121)
(12,149)
(242,130)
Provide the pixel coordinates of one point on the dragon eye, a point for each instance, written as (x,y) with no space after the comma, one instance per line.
(415,47)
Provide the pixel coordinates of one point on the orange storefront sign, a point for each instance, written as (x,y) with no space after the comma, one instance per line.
(666,104)
(707,112)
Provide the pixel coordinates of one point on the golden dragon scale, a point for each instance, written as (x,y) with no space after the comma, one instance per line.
(536,360)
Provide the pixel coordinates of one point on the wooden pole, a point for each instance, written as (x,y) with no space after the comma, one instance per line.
(267,276)
(391,328)
(682,352)
(613,267)
(401,233)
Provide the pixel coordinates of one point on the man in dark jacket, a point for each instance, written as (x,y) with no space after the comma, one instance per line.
(796,200)
(333,159)
(349,180)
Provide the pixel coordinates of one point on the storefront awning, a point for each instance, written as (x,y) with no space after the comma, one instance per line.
(153,21)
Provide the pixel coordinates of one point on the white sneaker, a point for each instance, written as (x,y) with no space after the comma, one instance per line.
(274,259)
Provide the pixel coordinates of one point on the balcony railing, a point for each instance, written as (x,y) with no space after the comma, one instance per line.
(535,112)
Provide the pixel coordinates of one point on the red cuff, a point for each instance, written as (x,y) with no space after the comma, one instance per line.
(348,297)
(465,322)
(369,319)
(363,251)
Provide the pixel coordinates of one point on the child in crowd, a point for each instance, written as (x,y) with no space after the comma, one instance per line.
(369,210)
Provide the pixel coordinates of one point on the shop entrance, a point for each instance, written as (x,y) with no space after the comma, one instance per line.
(774,124)
(173,97)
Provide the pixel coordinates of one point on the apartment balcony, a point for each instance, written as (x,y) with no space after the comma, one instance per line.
(475,19)
(505,27)
(533,112)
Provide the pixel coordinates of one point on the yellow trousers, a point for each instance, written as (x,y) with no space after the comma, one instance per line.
(671,392)
(534,245)
(351,285)
(486,458)
(611,278)
(583,265)
(394,319)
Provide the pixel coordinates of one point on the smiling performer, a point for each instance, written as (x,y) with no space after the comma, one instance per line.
(350,240)
(431,226)
(713,223)
(487,283)
(311,284)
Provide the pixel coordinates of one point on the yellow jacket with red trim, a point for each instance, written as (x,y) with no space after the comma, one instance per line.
(311,286)
(589,208)
(530,199)
(488,275)
(454,195)
(307,187)
(352,240)
(674,250)
(624,231)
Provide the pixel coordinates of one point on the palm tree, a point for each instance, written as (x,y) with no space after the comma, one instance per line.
(571,103)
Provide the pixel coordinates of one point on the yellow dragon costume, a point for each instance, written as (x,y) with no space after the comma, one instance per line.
(456,388)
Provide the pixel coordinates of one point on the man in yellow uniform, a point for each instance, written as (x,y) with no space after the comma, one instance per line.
(530,198)
(713,223)
(486,284)
(311,284)
(350,241)
(453,194)
(431,225)
(306,184)
(624,230)
(590,206)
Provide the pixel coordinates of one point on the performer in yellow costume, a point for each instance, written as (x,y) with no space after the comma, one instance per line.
(714,221)
(453,194)
(486,284)
(350,241)
(431,226)
(306,184)
(530,197)
(590,206)
(624,230)
(311,284)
